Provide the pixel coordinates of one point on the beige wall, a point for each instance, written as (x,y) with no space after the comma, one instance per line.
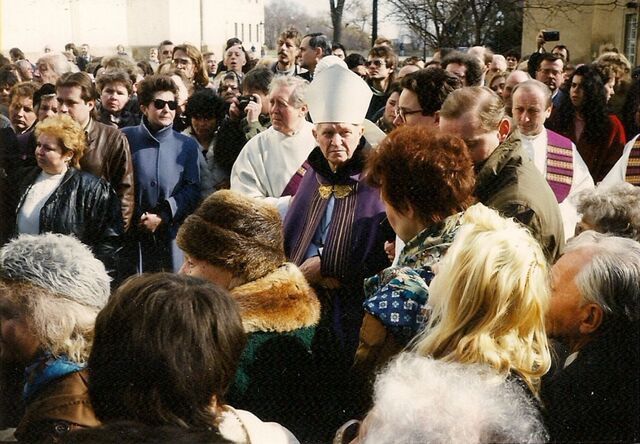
(584,31)
(136,24)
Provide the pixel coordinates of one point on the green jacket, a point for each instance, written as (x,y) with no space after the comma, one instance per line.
(509,182)
(277,378)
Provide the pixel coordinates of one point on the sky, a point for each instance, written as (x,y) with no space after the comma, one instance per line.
(321,8)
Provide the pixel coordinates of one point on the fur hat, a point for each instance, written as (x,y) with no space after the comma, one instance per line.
(234,232)
(58,263)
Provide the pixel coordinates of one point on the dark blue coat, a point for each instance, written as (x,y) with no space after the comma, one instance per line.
(167,183)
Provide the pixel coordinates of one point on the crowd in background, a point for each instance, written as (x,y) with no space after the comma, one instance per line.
(319,247)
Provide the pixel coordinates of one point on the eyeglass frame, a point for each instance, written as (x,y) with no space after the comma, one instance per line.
(173,104)
(379,63)
(402,114)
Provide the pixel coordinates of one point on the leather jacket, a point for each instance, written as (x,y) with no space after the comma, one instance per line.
(108,156)
(85,206)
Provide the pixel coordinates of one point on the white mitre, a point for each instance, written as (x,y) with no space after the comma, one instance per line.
(337,94)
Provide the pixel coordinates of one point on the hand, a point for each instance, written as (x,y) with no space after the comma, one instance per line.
(311,270)
(234,110)
(150,222)
(390,249)
(540,40)
(254,109)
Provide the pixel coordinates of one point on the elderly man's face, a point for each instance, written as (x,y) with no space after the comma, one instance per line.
(46,73)
(285,117)
(337,141)
(530,110)
(567,308)
(165,53)
(18,341)
(481,142)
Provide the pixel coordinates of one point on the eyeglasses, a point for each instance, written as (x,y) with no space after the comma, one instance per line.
(377,63)
(403,113)
(160,104)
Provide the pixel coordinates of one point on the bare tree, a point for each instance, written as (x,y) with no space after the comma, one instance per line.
(455,23)
(337,8)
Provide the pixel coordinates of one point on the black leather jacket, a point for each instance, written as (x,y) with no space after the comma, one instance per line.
(85,206)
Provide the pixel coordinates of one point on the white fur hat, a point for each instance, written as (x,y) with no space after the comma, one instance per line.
(58,263)
(337,94)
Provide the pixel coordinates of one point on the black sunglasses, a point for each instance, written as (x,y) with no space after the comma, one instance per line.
(159,104)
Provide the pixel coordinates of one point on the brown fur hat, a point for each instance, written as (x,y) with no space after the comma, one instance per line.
(234,232)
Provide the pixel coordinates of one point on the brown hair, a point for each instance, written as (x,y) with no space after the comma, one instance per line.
(200,75)
(22,89)
(412,161)
(165,345)
(115,76)
(152,84)
(80,80)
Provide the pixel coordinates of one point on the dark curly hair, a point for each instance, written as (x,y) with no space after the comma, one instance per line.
(205,103)
(151,85)
(431,86)
(474,69)
(431,173)
(597,125)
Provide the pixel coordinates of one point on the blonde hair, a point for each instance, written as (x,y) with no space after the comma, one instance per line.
(479,100)
(489,298)
(68,132)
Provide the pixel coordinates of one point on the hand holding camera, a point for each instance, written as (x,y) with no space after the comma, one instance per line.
(251,106)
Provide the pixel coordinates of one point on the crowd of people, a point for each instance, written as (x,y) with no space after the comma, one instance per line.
(321,247)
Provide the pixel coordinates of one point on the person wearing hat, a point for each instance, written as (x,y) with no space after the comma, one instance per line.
(236,242)
(51,289)
(333,227)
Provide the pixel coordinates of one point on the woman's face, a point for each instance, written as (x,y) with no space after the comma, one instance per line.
(49,155)
(576,93)
(497,85)
(205,270)
(391,106)
(159,112)
(234,59)
(18,341)
(114,97)
(184,63)
(403,223)
(204,126)
(229,89)
(609,88)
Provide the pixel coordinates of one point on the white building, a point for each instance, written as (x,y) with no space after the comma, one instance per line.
(137,24)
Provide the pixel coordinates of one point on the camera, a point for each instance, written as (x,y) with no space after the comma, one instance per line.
(551,36)
(243,101)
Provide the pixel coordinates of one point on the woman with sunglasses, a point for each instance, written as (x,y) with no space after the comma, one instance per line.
(167,179)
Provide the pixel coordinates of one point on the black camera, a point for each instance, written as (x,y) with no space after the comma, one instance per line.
(243,101)
(551,36)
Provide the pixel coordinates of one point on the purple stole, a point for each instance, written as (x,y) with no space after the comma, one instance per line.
(354,237)
(632,174)
(294,183)
(559,165)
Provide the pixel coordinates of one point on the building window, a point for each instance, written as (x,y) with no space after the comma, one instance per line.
(630,37)
(250,33)
(242,38)
(235,34)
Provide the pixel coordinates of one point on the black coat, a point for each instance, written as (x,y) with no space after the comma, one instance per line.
(597,397)
(83,205)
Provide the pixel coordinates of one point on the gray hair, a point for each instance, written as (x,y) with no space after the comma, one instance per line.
(611,277)
(614,210)
(66,286)
(58,62)
(299,89)
(419,399)
(533,85)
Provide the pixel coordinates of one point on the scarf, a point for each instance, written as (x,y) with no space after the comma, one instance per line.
(45,369)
